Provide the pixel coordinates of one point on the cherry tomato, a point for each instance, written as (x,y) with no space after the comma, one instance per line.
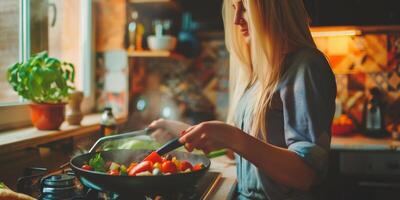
(153,157)
(198,166)
(168,167)
(185,165)
(87,167)
(113,172)
(141,167)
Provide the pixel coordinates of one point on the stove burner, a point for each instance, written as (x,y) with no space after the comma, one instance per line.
(60,180)
(60,186)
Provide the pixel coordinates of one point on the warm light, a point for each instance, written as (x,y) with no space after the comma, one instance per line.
(335,33)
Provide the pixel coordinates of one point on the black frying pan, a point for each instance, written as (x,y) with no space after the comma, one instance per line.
(127,185)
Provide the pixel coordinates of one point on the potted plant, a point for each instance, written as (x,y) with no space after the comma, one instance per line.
(46,82)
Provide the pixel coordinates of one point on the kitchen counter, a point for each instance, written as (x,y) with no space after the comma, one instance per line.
(360,143)
(225,188)
(357,142)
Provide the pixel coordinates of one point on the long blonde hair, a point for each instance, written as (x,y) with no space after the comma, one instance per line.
(276,27)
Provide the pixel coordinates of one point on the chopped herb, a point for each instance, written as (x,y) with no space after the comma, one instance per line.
(98,163)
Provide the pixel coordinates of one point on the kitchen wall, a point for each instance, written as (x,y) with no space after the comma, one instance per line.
(195,88)
(361,63)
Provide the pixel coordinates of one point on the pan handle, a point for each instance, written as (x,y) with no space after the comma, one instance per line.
(119,136)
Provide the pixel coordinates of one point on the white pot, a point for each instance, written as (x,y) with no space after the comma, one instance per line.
(161,43)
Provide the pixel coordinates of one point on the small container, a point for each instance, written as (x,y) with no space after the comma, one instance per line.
(108,123)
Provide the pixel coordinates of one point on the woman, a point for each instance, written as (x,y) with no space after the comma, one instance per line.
(282,102)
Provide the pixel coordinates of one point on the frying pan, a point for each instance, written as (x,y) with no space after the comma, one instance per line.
(133,185)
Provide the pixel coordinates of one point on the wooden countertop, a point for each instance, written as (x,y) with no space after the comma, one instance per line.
(226,186)
(360,142)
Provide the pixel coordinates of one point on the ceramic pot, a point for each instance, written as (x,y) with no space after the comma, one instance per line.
(47,116)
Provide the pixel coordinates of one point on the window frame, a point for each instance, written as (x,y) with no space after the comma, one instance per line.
(14,115)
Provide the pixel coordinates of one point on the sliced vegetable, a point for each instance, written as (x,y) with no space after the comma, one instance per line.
(123,170)
(184,165)
(157,165)
(168,167)
(87,167)
(114,166)
(146,173)
(131,166)
(141,167)
(153,157)
(156,171)
(113,172)
(198,166)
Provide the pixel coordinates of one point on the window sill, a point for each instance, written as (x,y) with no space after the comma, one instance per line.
(17,139)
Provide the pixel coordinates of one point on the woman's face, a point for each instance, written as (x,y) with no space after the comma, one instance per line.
(241,18)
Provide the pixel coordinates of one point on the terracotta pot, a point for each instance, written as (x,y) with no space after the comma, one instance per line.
(47,116)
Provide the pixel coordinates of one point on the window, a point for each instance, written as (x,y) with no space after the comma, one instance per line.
(61,27)
(9,46)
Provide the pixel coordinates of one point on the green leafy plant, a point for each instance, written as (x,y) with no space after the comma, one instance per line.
(42,79)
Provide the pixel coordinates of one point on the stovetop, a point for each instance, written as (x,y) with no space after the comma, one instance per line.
(62,184)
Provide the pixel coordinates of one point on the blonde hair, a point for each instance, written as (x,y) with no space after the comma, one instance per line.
(276,27)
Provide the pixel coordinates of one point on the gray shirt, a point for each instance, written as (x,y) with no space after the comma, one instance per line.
(299,119)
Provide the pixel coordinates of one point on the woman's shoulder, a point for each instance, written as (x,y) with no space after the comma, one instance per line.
(307,57)
(308,62)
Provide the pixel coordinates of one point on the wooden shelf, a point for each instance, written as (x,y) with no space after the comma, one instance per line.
(154,54)
(150,1)
(171,4)
(29,137)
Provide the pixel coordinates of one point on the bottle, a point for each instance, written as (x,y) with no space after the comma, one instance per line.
(373,115)
(108,124)
(132,29)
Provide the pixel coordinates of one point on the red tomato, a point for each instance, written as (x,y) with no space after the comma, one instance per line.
(198,166)
(153,157)
(114,172)
(168,167)
(87,167)
(141,167)
(185,165)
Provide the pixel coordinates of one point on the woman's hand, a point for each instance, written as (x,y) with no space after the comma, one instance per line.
(166,130)
(209,136)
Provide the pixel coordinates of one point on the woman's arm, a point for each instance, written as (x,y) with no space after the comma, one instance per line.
(282,165)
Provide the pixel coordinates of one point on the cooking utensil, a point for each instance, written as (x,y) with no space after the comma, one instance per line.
(168,147)
(133,185)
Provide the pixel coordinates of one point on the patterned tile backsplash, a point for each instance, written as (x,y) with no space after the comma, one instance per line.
(199,86)
(361,63)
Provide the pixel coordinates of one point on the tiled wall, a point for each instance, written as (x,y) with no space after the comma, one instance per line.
(361,63)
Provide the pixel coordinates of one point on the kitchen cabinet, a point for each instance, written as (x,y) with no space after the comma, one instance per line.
(353,12)
(363,168)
